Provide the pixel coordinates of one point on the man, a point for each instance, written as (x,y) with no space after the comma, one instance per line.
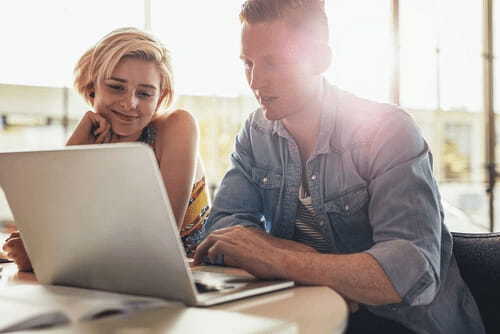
(330,189)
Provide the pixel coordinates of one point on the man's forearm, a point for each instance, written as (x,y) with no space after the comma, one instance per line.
(358,277)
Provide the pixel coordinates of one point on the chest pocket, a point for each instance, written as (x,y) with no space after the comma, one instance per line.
(268,182)
(266,178)
(348,215)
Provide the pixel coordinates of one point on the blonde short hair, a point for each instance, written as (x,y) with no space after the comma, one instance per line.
(307,16)
(99,61)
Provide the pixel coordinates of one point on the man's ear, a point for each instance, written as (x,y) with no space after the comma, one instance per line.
(322,58)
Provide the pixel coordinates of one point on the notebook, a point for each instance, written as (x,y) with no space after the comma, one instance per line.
(41,306)
(98,217)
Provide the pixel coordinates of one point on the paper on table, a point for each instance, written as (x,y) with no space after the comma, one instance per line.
(20,316)
(53,305)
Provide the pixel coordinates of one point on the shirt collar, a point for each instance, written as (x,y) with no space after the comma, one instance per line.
(327,119)
(327,114)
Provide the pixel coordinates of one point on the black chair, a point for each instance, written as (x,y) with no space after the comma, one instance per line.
(478,258)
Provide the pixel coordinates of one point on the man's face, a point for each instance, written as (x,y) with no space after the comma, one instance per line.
(278,68)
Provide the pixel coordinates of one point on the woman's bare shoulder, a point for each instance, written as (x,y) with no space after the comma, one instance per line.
(175,122)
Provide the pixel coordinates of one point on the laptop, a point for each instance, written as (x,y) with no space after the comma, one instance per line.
(98,217)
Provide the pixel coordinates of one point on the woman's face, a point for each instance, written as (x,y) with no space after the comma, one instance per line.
(129,99)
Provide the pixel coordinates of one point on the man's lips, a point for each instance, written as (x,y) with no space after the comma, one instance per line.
(266,100)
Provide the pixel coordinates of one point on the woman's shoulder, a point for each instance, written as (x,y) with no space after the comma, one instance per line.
(174,123)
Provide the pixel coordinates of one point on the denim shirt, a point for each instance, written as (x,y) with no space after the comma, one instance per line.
(372,189)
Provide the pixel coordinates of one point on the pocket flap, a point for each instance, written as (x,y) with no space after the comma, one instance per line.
(266,178)
(349,201)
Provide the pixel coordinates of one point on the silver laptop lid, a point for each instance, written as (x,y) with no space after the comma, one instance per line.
(61,199)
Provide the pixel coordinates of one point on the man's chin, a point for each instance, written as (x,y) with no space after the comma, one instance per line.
(271,115)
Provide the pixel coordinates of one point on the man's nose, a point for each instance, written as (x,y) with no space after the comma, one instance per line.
(257,78)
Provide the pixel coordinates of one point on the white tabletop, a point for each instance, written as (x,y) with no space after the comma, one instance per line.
(297,310)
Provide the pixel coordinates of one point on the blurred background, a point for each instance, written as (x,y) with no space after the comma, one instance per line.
(433,57)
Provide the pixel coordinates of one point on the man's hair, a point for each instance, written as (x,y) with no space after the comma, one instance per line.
(306,16)
(100,60)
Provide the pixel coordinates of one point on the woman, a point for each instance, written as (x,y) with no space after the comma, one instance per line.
(126,78)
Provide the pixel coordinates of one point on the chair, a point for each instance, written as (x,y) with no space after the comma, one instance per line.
(478,258)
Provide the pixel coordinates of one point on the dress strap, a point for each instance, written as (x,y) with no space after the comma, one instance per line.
(148,135)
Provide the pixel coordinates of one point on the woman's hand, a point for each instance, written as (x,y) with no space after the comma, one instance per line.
(92,129)
(14,249)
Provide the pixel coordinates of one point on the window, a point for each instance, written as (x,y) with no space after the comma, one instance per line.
(361,40)
(441,85)
(440,73)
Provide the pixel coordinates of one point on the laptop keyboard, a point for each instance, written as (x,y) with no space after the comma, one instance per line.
(209,281)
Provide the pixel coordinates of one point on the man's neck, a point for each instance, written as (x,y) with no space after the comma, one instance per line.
(304,126)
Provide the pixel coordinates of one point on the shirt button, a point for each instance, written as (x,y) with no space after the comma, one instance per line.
(346,207)
(264,180)
(313,177)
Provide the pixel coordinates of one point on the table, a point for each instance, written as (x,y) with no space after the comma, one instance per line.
(297,310)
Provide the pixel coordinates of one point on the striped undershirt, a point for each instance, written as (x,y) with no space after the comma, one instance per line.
(307,229)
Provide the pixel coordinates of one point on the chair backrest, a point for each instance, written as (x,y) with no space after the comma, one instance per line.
(478,258)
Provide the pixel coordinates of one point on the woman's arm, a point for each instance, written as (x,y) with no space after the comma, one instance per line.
(176,149)
(14,249)
(92,129)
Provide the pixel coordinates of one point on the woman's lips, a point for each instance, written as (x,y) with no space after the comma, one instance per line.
(125,117)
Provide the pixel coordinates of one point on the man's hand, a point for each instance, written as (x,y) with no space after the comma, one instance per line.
(14,249)
(92,129)
(253,250)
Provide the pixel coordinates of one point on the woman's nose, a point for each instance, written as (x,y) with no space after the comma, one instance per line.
(129,102)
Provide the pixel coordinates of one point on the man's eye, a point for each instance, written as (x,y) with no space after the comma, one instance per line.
(271,64)
(247,65)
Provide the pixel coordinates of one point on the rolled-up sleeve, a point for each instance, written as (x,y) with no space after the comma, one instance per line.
(238,201)
(405,211)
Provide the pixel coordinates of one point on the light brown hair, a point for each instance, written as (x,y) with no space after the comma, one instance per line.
(100,60)
(307,16)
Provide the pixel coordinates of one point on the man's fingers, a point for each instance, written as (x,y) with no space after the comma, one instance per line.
(202,250)
(230,235)
(230,254)
(223,252)
(208,244)
(214,252)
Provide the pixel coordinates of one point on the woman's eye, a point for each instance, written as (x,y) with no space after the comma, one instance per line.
(115,87)
(145,94)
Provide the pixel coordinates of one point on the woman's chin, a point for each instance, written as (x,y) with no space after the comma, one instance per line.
(127,134)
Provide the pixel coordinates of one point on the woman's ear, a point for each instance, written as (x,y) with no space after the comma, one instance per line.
(90,91)
(91,97)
